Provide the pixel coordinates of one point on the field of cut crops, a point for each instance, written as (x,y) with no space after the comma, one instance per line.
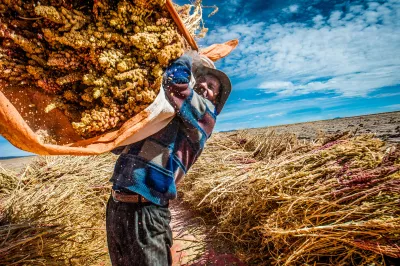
(52,212)
(330,201)
(279,200)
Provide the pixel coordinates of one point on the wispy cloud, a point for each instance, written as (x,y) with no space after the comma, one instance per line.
(291,9)
(393,107)
(270,106)
(276,85)
(350,52)
(384,95)
(276,115)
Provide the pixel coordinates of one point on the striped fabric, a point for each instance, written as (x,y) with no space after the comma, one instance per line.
(153,166)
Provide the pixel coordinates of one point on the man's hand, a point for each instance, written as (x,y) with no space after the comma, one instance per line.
(179,71)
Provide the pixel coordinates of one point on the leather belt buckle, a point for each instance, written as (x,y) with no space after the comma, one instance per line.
(127,198)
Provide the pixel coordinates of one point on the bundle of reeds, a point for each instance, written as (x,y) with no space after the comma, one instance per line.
(287,202)
(53,212)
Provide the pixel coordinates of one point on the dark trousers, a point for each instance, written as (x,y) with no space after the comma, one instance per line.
(138,234)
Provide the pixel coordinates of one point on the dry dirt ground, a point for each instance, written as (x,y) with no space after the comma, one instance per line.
(384,125)
(195,243)
(16,163)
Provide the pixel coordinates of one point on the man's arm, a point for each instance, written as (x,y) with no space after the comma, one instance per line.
(179,90)
(196,111)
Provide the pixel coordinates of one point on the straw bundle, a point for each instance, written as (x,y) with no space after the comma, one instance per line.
(301,203)
(192,17)
(53,213)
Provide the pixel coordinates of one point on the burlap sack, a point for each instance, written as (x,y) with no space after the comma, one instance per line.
(24,123)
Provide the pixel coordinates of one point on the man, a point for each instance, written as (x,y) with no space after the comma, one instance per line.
(146,172)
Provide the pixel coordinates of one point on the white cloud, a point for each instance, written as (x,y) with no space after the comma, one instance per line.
(291,9)
(267,106)
(352,84)
(392,107)
(335,19)
(318,21)
(384,95)
(351,53)
(276,115)
(276,85)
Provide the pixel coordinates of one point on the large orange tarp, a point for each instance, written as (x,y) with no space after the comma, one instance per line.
(22,115)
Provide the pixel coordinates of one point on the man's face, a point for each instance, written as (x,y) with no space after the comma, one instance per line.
(208,86)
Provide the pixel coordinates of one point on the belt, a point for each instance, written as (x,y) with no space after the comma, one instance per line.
(128,198)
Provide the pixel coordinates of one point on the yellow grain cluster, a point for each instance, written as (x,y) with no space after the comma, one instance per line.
(103,59)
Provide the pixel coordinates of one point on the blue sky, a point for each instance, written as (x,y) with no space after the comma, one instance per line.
(307,60)
(303,60)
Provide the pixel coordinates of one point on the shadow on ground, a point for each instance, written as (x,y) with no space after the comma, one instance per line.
(196,243)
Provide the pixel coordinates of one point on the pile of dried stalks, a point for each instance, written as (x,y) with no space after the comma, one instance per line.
(53,213)
(281,200)
(286,202)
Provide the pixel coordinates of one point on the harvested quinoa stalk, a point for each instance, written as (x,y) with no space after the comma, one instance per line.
(103,59)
